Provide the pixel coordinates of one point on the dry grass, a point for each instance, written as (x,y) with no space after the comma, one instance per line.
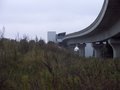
(38,66)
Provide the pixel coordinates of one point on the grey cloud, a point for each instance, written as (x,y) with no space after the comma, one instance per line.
(58,15)
(32,6)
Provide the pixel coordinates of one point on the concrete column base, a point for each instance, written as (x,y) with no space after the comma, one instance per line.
(115,44)
(82,49)
(98,49)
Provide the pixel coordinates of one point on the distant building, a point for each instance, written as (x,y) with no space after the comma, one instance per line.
(51,36)
(56,38)
(60,36)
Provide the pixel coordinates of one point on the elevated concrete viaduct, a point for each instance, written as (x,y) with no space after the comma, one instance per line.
(106,27)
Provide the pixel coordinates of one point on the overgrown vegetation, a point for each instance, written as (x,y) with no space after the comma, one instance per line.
(34,65)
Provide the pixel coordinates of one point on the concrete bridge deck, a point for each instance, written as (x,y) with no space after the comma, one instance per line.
(106,25)
(104,28)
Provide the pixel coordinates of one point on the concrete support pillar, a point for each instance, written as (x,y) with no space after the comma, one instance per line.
(81,49)
(71,47)
(115,44)
(98,49)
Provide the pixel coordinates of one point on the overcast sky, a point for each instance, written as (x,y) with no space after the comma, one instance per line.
(36,17)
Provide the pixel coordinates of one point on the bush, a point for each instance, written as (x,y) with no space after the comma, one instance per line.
(38,66)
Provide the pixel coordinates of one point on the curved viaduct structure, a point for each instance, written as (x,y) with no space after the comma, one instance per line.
(106,27)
